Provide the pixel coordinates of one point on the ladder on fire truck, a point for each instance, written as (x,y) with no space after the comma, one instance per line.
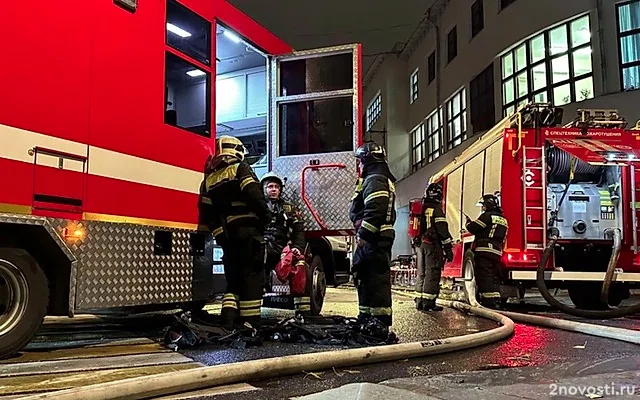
(534,197)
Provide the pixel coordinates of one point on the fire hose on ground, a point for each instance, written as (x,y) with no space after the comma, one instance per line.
(152,386)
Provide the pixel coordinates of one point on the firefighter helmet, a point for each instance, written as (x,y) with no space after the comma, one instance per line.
(271,177)
(370,153)
(230,146)
(434,192)
(489,202)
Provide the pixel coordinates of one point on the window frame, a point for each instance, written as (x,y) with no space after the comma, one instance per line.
(502,5)
(547,60)
(619,36)
(374,110)
(461,96)
(477,17)
(432,152)
(452,51)
(414,86)
(209,71)
(421,144)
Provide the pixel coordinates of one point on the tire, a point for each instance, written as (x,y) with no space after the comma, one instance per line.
(24,297)
(316,275)
(468,274)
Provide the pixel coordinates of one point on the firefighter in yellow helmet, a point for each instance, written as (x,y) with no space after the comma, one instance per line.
(233,206)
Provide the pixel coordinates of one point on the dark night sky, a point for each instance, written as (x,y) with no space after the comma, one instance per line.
(304,24)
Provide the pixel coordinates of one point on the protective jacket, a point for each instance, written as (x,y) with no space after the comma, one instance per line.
(490,231)
(373,209)
(231,196)
(435,229)
(286,224)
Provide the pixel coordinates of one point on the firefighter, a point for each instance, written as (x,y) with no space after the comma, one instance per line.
(233,206)
(490,231)
(435,246)
(373,214)
(286,227)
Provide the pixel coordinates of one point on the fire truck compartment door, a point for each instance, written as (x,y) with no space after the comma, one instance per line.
(58,181)
(598,146)
(314,120)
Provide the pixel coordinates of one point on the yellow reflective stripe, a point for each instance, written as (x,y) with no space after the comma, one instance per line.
(490,295)
(440,219)
(392,190)
(489,250)
(446,241)
(392,187)
(482,224)
(230,304)
(206,200)
(300,300)
(303,307)
(252,312)
(217,231)
(247,181)
(364,309)
(231,296)
(369,227)
(235,217)
(428,296)
(385,227)
(428,213)
(250,303)
(380,310)
(221,176)
(375,195)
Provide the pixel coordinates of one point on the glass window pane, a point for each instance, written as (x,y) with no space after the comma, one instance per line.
(316,126)
(507,91)
(631,78)
(521,82)
(463,98)
(188,32)
(629,16)
(540,97)
(560,69)
(457,128)
(523,102)
(582,62)
(456,105)
(521,57)
(580,31)
(562,95)
(509,111)
(449,110)
(630,48)
(539,73)
(536,48)
(507,65)
(464,121)
(317,74)
(558,39)
(584,89)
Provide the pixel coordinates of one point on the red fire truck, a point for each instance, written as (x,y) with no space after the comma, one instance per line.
(579,178)
(107,116)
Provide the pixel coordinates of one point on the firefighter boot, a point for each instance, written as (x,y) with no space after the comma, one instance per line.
(430,305)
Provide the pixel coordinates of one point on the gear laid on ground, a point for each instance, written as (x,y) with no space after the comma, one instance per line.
(193,330)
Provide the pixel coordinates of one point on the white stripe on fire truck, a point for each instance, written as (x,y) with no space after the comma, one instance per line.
(17,143)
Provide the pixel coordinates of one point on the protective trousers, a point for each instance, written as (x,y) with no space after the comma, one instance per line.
(430,262)
(486,274)
(302,304)
(372,270)
(243,258)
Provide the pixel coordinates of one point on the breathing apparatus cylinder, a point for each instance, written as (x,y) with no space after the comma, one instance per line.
(415,214)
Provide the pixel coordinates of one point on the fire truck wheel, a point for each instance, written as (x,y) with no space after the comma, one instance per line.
(318,284)
(24,296)
(468,275)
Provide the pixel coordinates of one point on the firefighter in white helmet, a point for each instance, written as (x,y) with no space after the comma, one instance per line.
(233,206)
(285,228)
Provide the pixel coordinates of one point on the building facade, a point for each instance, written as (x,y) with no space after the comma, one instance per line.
(472,62)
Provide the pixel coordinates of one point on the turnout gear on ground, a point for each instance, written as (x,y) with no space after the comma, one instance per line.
(490,231)
(435,247)
(233,207)
(373,214)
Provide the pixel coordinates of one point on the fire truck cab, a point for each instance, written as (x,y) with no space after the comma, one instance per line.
(579,179)
(107,117)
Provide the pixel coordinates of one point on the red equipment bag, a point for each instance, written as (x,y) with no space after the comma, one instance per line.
(292,268)
(415,215)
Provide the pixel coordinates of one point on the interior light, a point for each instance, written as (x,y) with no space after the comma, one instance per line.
(195,72)
(631,157)
(232,36)
(177,30)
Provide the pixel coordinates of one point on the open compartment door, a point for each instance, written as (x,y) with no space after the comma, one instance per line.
(314,121)
(597,146)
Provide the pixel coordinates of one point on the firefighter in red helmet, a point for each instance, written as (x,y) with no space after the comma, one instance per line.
(432,248)
(233,206)
(490,231)
(373,214)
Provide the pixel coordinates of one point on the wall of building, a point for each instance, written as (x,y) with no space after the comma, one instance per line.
(503,31)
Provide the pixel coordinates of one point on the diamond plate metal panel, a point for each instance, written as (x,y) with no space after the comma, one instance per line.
(117,265)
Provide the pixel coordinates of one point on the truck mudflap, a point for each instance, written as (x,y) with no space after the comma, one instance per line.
(45,223)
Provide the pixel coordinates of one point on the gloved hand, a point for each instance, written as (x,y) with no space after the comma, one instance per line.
(448,254)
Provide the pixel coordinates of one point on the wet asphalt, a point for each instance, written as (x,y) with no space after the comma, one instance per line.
(528,347)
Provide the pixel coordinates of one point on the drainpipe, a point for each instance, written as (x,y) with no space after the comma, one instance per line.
(432,19)
(601,40)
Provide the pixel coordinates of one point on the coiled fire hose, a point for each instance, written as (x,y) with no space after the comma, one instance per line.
(577,312)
